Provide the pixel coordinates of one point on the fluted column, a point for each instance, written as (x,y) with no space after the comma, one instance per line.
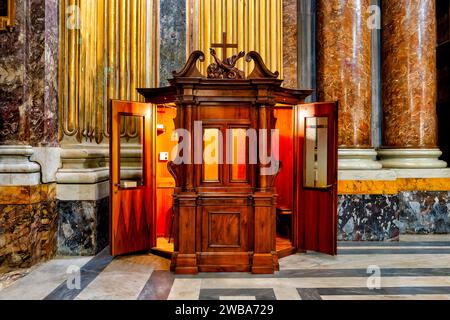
(409,88)
(344,73)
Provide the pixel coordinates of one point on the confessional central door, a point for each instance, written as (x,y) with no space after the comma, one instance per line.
(316,177)
(132,177)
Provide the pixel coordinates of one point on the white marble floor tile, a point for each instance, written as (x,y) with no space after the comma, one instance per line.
(42,281)
(395,248)
(341,282)
(123,279)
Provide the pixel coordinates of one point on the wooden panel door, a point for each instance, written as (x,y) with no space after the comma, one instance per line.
(315,143)
(132,177)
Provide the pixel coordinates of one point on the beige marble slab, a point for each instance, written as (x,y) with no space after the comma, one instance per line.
(185,289)
(286,293)
(424,237)
(360,261)
(390,297)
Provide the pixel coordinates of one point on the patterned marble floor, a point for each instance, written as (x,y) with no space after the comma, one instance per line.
(418,268)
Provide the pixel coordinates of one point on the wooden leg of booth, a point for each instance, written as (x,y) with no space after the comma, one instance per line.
(186,264)
(186,258)
(264,257)
(263,263)
(276,264)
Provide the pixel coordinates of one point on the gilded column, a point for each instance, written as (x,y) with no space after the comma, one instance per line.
(344,74)
(409,89)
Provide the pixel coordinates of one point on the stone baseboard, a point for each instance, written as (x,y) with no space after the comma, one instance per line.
(83,227)
(368,218)
(386,217)
(424,212)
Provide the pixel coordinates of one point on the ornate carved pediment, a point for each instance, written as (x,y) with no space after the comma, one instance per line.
(226,69)
(260,70)
(190,68)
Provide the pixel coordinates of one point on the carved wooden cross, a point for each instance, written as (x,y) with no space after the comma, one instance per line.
(224,45)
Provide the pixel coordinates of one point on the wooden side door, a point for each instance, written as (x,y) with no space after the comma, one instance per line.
(132,177)
(315,208)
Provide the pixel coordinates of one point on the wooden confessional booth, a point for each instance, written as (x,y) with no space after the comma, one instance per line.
(228,216)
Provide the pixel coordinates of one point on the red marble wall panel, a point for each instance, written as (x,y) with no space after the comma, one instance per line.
(344,71)
(409,74)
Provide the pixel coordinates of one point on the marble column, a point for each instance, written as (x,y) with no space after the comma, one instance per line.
(28,134)
(409,89)
(344,74)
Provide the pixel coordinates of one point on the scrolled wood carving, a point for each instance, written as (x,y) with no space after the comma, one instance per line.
(260,70)
(190,68)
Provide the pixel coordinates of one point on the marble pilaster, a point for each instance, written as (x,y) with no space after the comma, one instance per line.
(376,75)
(172,26)
(344,74)
(28,129)
(307,45)
(28,81)
(290,55)
(409,89)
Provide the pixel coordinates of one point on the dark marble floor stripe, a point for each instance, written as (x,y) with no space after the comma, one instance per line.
(309,294)
(158,286)
(383,291)
(88,273)
(390,251)
(328,273)
(343,244)
(215,294)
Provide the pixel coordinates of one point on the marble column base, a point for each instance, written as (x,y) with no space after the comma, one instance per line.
(358,159)
(411,158)
(16,169)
